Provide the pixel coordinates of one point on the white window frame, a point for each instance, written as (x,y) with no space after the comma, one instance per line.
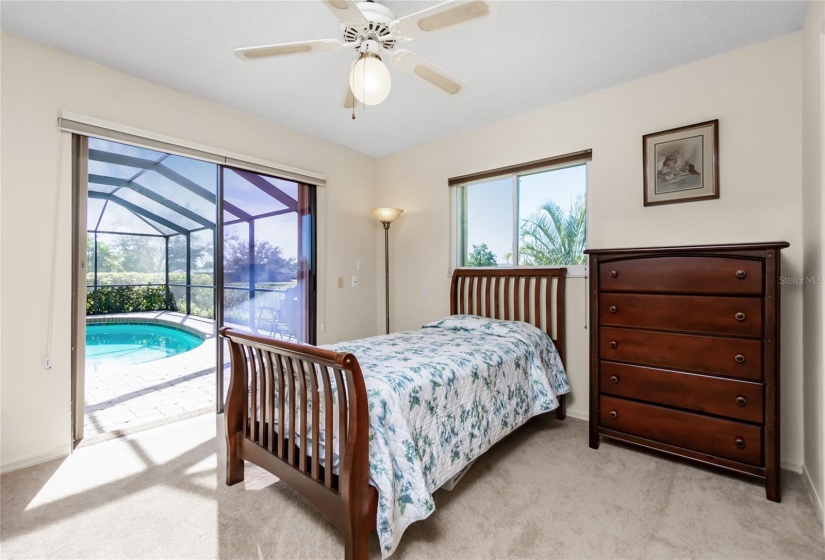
(456,214)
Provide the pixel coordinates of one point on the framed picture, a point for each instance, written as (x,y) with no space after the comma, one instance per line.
(681,164)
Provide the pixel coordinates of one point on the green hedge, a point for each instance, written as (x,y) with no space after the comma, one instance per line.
(176,277)
(124,299)
(127,299)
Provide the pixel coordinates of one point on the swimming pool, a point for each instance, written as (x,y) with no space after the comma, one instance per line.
(135,343)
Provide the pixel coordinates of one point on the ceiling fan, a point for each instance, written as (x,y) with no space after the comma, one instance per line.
(373,32)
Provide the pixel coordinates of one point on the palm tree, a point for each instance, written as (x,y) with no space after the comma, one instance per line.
(551,236)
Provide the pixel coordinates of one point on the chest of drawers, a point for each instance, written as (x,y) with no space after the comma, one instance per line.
(684,353)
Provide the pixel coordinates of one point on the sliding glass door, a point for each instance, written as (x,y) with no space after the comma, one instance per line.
(268,255)
(168,249)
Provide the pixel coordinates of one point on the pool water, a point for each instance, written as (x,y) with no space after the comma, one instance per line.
(132,343)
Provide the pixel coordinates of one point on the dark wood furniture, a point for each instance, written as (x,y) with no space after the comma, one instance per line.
(267,372)
(684,353)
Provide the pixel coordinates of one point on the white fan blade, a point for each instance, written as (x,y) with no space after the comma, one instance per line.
(266,51)
(346,11)
(414,64)
(442,16)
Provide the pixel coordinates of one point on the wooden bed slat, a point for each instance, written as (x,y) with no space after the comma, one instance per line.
(477,302)
(261,402)
(290,431)
(302,457)
(340,389)
(316,429)
(328,427)
(281,403)
(496,294)
(525,310)
(270,403)
(245,352)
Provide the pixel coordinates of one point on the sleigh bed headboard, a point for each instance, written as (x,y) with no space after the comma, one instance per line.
(533,295)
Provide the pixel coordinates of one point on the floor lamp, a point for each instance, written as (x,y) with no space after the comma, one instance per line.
(386,216)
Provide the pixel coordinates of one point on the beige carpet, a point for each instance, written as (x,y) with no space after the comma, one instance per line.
(541,494)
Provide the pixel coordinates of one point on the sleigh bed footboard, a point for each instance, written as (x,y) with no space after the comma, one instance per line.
(300,412)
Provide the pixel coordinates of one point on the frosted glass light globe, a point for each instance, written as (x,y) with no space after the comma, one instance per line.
(370,80)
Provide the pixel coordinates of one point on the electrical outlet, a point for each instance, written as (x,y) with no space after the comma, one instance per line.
(340,281)
(359,265)
(323,327)
(425,294)
(354,281)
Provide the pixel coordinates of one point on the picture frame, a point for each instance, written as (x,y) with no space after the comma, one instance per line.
(681,164)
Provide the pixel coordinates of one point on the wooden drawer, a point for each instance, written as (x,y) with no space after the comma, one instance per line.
(689,275)
(701,393)
(723,438)
(736,316)
(731,357)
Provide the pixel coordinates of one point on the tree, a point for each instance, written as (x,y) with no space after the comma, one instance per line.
(481,255)
(139,253)
(551,236)
(107,259)
(270,264)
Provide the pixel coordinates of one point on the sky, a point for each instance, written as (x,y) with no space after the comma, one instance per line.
(490,204)
(281,231)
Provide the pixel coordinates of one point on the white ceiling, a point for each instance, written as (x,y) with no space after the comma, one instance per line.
(531,54)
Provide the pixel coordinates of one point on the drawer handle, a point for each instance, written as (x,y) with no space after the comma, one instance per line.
(740,443)
(741,401)
(740,359)
(614,379)
(614,344)
(740,316)
(741,274)
(614,273)
(614,414)
(614,309)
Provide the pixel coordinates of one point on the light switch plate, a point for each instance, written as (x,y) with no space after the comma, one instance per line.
(354,281)
(340,281)
(359,265)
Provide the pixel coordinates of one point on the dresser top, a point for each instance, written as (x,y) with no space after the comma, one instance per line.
(693,248)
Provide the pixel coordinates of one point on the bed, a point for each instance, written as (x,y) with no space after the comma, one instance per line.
(369,441)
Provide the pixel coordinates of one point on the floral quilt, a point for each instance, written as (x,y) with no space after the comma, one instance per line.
(441,396)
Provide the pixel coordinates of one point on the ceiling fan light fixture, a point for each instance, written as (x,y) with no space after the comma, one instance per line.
(370,79)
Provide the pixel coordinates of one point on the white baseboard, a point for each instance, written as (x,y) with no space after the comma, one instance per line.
(578,414)
(793,467)
(817,500)
(36,459)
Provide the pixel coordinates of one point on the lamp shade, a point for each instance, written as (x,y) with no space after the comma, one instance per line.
(386,214)
(370,80)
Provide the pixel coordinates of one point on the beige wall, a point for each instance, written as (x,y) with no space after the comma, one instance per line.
(754,92)
(37,83)
(813,93)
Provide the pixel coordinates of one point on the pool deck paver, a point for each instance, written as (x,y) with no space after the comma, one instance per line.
(122,398)
(128,398)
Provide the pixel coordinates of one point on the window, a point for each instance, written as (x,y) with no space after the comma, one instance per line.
(529,215)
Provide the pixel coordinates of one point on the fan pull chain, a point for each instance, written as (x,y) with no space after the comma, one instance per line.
(364,79)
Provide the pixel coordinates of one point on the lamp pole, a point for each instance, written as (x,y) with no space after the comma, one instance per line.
(386,216)
(387,271)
